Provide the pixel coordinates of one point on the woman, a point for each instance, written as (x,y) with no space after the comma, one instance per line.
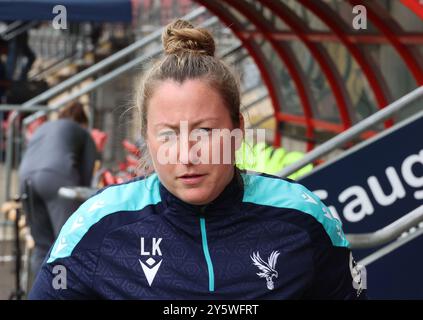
(60,153)
(195,229)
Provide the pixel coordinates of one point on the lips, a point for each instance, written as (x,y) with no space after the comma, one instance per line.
(191,175)
(192,179)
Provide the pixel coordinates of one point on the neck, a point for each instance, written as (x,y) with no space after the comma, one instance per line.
(227,198)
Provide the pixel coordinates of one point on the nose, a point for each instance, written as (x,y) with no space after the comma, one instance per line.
(185,156)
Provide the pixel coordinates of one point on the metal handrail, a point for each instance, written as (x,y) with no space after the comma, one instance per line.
(388,233)
(109,76)
(353,132)
(409,236)
(261,121)
(52,67)
(254,102)
(357,241)
(95,84)
(77,193)
(13,32)
(18,107)
(10,27)
(73,81)
(81,76)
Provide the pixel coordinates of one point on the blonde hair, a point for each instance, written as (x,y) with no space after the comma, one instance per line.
(189,53)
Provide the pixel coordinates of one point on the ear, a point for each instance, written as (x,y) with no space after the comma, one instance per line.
(241,122)
(145,145)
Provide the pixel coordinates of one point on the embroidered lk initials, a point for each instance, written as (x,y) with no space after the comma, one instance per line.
(155,247)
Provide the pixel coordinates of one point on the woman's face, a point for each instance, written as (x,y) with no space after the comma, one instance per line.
(174,112)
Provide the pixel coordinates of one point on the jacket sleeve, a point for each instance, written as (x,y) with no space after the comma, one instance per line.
(336,276)
(67,278)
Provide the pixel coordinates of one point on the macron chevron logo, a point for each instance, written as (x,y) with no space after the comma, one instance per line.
(77,224)
(308,198)
(62,243)
(149,271)
(96,205)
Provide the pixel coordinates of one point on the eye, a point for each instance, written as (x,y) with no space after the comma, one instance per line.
(165,135)
(202,131)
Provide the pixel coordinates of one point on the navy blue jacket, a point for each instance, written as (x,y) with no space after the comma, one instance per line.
(263,237)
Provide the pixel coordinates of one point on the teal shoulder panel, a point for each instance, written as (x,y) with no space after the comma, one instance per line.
(132,196)
(276,192)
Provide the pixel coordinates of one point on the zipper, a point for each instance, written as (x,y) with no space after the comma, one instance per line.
(206,251)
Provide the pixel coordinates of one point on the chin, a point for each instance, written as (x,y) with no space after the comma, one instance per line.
(195,197)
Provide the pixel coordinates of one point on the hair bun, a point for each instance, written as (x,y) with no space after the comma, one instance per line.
(181,36)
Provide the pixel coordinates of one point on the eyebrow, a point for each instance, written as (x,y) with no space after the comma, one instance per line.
(194,123)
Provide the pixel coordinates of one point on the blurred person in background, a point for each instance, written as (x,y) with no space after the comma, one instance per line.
(60,153)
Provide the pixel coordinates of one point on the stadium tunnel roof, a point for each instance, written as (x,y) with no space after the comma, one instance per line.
(77,10)
(331,51)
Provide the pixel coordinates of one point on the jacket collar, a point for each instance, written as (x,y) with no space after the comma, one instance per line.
(227,201)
